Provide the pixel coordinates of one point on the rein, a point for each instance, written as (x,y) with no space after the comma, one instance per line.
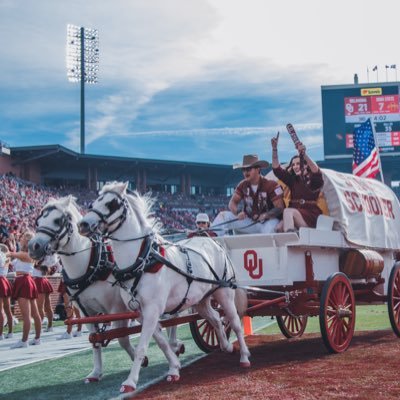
(72,253)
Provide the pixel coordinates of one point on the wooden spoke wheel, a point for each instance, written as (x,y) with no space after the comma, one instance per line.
(292,326)
(394,299)
(204,333)
(337,314)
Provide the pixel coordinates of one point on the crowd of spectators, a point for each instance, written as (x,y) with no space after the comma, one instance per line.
(21,202)
(178,211)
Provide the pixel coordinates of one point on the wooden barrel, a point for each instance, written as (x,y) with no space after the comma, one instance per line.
(361,263)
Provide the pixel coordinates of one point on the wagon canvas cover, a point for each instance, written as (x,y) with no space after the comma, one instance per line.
(365,210)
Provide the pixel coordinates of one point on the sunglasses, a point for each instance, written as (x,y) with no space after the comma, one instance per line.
(247,169)
(201,222)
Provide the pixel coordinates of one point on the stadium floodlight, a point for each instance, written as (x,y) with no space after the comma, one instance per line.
(82,63)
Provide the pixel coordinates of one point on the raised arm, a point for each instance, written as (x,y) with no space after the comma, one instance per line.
(302,150)
(21,255)
(274,144)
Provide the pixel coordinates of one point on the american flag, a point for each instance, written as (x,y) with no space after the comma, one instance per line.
(365,154)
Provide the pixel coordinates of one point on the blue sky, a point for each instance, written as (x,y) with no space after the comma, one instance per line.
(188,80)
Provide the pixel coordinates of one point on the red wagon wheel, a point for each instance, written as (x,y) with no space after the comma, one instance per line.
(205,336)
(204,333)
(292,326)
(394,299)
(337,314)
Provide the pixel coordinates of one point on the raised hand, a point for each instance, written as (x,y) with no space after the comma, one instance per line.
(301,148)
(274,141)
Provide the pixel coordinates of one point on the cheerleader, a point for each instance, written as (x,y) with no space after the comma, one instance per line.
(71,311)
(25,292)
(5,294)
(41,269)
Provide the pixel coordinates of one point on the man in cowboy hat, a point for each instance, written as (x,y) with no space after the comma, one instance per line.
(262,201)
(203,227)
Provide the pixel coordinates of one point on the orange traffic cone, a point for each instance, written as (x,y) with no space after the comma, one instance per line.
(247,326)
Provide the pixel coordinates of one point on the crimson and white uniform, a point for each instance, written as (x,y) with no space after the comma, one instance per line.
(42,283)
(24,285)
(5,285)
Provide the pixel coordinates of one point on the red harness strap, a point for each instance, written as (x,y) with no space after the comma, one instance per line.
(156,267)
(110,254)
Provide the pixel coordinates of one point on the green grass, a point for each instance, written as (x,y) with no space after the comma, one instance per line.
(63,378)
(18,327)
(367,318)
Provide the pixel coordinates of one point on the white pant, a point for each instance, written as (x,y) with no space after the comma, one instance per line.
(241,226)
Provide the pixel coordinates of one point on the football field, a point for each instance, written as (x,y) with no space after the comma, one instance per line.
(56,369)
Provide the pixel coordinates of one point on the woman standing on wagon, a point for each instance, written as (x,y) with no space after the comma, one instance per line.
(25,291)
(305,181)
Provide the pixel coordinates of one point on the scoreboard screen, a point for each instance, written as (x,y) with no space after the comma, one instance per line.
(345,107)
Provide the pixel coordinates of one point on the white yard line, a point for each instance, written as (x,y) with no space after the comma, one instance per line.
(49,349)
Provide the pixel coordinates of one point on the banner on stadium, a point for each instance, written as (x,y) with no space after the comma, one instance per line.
(365,210)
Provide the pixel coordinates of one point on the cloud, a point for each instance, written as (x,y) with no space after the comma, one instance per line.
(207,78)
(241,132)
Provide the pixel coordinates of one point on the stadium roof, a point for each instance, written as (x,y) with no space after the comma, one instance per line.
(55,158)
(31,153)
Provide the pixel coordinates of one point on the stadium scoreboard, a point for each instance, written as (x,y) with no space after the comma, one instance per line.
(345,107)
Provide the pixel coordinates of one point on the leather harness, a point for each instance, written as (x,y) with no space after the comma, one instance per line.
(100,267)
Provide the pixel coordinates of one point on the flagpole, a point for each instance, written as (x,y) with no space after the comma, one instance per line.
(375,69)
(394,66)
(387,66)
(368,75)
(377,148)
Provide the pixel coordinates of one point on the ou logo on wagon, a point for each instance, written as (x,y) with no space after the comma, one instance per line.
(253,264)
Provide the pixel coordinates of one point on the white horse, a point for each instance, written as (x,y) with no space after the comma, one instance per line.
(57,232)
(192,272)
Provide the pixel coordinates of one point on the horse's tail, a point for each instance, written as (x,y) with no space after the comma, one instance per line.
(241,301)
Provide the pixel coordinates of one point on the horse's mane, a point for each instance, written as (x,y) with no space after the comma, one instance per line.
(142,205)
(72,209)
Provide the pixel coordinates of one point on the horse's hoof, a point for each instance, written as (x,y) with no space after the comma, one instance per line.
(245,364)
(126,389)
(92,379)
(173,378)
(145,362)
(181,350)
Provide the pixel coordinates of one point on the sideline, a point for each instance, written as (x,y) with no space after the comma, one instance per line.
(50,348)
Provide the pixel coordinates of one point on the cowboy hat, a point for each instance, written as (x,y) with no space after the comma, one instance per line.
(251,160)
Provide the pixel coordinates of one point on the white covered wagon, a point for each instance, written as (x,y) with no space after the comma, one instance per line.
(351,257)
(348,259)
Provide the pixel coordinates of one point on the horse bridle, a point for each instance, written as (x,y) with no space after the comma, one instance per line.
(55,235)
(113,209)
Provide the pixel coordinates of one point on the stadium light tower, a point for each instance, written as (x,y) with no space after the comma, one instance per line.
(82,63)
